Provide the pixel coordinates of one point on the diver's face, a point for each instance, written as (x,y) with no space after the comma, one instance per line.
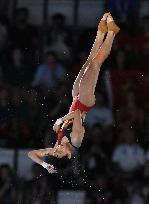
(60,151)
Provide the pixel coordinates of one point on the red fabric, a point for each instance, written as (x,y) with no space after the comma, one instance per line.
(60,136)
(77,105)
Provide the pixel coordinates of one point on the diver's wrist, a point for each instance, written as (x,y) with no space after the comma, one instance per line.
(59,121)
(44,164)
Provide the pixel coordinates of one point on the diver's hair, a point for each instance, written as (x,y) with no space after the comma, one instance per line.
(60,164)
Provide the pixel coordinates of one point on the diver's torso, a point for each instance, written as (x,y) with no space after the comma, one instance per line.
(74,137)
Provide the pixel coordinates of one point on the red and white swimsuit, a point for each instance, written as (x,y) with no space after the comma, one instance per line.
(76,105)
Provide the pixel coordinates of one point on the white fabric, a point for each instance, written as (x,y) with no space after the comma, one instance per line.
(129,157)
(44,164)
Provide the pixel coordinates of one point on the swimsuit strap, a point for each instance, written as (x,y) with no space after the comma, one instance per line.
(66,132)
(69,139)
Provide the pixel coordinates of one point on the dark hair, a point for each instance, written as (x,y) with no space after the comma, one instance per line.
(60,164)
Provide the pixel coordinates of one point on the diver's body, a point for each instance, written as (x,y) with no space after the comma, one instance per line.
(83,97)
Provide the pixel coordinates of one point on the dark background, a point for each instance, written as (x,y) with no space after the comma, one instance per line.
(42,48)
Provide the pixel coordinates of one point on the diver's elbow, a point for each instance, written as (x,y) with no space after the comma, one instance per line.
(31,154)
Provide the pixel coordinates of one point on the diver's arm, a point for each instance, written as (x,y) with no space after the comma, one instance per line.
(69,116)
(37,155)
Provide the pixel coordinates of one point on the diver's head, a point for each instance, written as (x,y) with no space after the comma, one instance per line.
(63,150)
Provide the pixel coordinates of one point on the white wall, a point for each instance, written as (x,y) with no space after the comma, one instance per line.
(71,197)
(89,10)
(24,164)
(7,156)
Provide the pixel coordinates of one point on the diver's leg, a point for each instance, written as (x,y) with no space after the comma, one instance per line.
(89,79)
(102,29)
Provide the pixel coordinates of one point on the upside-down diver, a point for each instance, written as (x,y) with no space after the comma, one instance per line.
(70,128)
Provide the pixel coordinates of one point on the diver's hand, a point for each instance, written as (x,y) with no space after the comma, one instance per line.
(51,169)
(56,127)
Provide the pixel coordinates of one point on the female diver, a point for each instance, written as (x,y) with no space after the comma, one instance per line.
(70,128)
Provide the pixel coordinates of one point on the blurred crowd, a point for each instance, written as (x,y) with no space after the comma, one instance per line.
(37,70)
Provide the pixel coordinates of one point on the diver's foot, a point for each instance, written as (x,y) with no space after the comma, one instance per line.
(102,24)
(112,25)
